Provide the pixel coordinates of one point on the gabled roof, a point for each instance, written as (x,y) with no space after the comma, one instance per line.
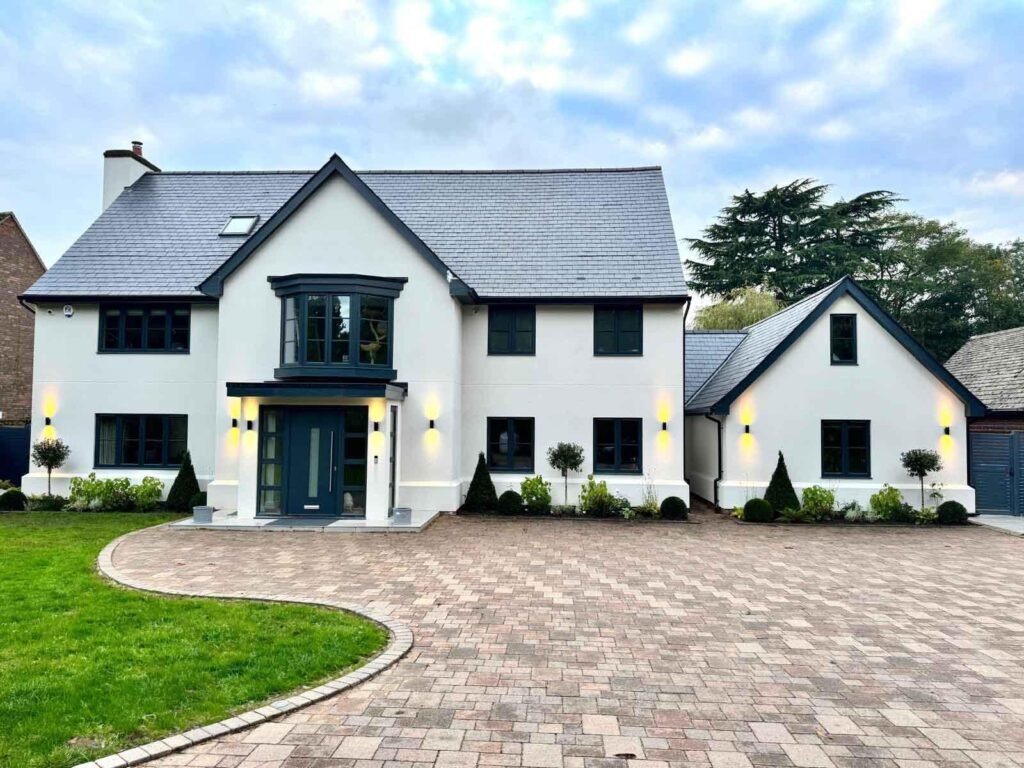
(705,352)
(509,235)
(4,215)
(765,341)
(992,367)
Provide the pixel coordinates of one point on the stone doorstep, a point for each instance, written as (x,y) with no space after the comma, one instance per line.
(400,644)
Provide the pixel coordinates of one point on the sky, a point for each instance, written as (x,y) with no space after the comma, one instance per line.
(919,97)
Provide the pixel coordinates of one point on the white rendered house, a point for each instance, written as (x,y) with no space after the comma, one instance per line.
(836,385)
(339,344)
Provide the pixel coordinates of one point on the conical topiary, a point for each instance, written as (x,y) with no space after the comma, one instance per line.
(185,487)
(780,493)
(481,496)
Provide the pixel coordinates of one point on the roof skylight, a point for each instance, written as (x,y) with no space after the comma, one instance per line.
(240,225)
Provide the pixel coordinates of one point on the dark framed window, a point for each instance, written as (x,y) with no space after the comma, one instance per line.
(511,330)
(271,456)
(510,444)
(140,439)
(846,449)
(145,329)
(619,330)
(843,339)
(617,446)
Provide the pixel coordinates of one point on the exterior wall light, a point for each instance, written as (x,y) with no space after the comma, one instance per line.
(431,424)
(248,424)
(664,426)
(376,426)
(746,429)
(48,421)
(945,431)
(234,423)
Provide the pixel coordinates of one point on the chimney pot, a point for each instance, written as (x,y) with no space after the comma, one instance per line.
(137,148)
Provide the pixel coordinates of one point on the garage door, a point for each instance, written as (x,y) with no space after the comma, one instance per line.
(997,471)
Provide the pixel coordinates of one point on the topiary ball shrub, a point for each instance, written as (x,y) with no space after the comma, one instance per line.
(758,511)
(13,501)
(674,508)
(952,513)
(510,503)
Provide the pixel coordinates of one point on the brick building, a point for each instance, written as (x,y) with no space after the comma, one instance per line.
(20,266)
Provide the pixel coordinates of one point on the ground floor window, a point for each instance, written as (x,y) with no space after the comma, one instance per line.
(845,448)
(140,440)
(271,470)
(510,444)
(617,446)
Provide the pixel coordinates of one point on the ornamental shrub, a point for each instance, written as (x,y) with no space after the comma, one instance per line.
(184,487)
(886,503)
(758,511)
(50,454)
(566,458)
(597,501)
(510,503)
(13,501)
(481,496)
(919,462)
(926,516)
(91,493)
(147,494)
(199,500)
(796,515)
(905,514)
(951,513)
(46,502)
(818,502)
(780,493)
(852,512)
(674,508)
(536,493)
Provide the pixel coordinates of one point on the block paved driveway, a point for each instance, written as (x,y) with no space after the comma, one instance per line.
(568,644)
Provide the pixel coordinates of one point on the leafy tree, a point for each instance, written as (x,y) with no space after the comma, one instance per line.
(566,457)
(184,488)
(780,493)
(739,309)
(920,462)
(50,454)
(481,496)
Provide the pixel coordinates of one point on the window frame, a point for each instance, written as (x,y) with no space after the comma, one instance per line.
(509,420)
(844,425)
(618,309)
(147,311)
(120,418)
(617,470)
(252,226)
(516,310)
(832,338)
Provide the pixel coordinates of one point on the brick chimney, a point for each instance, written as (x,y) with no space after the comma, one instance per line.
(121,169)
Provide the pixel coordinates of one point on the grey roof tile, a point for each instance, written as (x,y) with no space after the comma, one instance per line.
(705,352)
(569,233)
(992,367)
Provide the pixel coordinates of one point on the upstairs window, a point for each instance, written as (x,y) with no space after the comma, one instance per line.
(337,325)
(843,339)
(511,330)
(619,330)
(145,329)
(239,225)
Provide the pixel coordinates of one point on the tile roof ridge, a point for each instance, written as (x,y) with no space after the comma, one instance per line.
(426,171)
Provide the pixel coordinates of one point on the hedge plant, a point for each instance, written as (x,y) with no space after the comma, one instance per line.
(951,513)
(758,511)
(674,508)
(510,503)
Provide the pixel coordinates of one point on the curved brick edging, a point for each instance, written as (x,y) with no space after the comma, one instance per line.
(400,645)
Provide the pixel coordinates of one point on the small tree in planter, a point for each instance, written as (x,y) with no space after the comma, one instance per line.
(481,496)
(919,462)
(50,454)
(566,457)
(780,493)
(185,487)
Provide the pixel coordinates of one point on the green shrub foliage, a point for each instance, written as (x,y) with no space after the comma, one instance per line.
(818,502)
(199,500)
(46,502)
(50,454)
(886,504)
(780,493)
(536,493)
(597,501)
(185,486)
(481,496)
(952,513)
(796,515)
(674,508)
(13,501)
(758,511)
(510,503)
(113,494)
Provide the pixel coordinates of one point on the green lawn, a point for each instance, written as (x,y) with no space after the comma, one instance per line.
(88,668)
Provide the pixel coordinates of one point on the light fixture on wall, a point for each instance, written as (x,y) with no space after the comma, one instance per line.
(664,426)
(945,430)
(376,426)
(47,421)
(746,429)
(234,423)
(431,424)
(248,424)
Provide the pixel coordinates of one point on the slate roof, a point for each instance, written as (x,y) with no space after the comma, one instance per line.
(705,351)
(992,367)
(759,341)
(507,234)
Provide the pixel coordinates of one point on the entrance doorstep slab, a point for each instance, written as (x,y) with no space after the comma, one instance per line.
(421,518)
(1006,523)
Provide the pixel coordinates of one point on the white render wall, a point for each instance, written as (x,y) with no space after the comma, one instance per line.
(702,455)
(564,386)
(72,383)
(906,405)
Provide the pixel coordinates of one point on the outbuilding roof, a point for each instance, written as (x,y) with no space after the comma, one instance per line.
(992,367)
(705,352)
(577,233)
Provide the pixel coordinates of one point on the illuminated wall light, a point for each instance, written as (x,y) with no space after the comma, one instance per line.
(376,426)
(48,421)
(664,426)
(248,424)
(431,424)
(746,429)
(234,423)
(945,431)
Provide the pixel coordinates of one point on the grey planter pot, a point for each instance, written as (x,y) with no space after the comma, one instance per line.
(401,516)
(202,515)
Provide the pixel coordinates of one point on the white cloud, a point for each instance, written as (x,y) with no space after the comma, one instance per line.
(805,94)
(689,60)
(835,129)
(648,24)
(415,33)
(783,10)
(329,89)
(756,120)
(711,137)
(998,183)
(571,9)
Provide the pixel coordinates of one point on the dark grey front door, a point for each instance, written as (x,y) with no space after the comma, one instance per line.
(997,472)
(314,448)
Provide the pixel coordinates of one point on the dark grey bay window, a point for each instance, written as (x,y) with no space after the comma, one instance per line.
(618,330)
(617,446)
(846,449)
(843,339)
(511,330)
(510,444)
(140,440)
(337,325)
(145,329)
